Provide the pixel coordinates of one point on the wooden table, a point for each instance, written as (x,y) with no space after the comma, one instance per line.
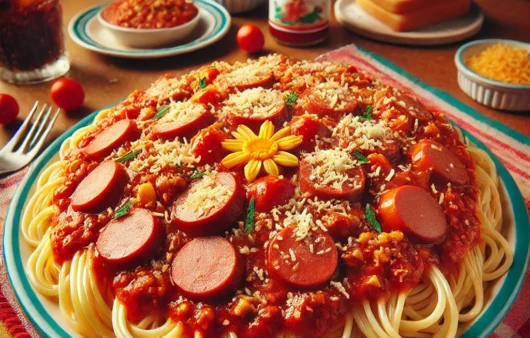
(108,79)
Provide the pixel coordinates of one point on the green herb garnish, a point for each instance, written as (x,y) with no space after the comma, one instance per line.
(291,98)
(212,67)
(129,156)
(367,114)
(202,83)
(161,112)
(360,157)
(197,174)
(370,216)
(249,223)
(124,210)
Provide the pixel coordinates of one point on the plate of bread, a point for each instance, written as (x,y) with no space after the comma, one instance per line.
(411,22)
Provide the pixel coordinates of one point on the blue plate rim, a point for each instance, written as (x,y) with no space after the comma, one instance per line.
(47,326)
(77,32)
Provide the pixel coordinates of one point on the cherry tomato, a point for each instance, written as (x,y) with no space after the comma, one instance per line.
(67,94)
(250,38)
(270,191)
(8,108)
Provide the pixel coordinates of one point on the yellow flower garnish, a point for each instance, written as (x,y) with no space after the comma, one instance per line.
(266,149)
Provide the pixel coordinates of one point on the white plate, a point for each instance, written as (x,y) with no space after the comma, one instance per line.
(86,31)
(354,18)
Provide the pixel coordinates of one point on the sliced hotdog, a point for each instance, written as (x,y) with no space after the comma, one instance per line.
(247,77)
(101,188)
(328,99)
(132,239)
(329,174)
(210,205)
(309,127)
(207,96)
(184,119)
(270,191)
(253,107)
(111,138)
(428,155)
(207,268)
(304,263)
(413,211)
(391,99)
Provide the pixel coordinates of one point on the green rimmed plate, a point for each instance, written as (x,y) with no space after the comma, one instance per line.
(85,30)
(46,317)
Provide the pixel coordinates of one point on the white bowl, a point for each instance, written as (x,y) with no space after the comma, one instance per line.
(491,93)
(150,37)
(239,6)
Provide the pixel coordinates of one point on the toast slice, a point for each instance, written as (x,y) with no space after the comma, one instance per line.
(417,19)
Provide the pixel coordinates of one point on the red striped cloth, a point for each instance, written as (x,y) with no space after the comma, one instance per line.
(514,152)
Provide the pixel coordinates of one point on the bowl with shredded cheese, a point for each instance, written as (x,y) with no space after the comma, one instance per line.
(496,73)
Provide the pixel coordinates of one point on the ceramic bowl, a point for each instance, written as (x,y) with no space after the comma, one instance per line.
(491,93)
(150,37)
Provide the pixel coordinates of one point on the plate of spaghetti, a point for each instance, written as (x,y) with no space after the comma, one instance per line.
(272,198)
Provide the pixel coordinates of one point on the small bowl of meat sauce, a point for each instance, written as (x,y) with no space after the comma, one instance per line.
(150,23)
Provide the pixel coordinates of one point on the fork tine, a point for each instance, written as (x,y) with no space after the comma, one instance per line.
(41,118)
(22,130)
(42,126)
(50,122)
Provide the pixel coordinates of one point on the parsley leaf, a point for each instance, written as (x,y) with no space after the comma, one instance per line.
(360,157)
(249,223)
(161,112)
(129,156)
(291,98)
(124,210)
(197,174)
(202,83)
(370,216)
(367,114)
(212,67)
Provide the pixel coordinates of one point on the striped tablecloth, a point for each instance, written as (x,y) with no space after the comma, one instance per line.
(511,147)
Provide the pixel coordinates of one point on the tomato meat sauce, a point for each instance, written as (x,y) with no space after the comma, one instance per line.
(149,14)
(172,232)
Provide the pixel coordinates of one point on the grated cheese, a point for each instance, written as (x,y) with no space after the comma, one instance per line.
(502,62)
(204,196)
(161,154)
(362,134)
(340,287)
(329,168)
(182,111)
(256,102)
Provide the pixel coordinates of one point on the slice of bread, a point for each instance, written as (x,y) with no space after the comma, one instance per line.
(407,6)
(416,19)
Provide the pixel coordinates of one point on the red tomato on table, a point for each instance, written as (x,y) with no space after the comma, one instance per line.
(8,108)
(250,38)
(67,94)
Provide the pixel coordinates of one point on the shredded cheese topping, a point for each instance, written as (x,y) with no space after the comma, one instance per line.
(330,168)
(182,111)
(255,102)
(502,62)
(363,134)
(333,93)
(205,196)
(247,74)
(161,154)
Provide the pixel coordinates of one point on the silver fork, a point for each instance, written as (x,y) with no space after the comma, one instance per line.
(24,145)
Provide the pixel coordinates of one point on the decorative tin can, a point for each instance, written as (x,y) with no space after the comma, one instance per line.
(299,22)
